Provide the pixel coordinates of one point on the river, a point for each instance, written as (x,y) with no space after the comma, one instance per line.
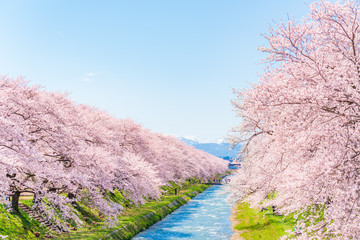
(206,216)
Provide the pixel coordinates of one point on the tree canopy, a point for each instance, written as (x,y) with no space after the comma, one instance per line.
(301,121)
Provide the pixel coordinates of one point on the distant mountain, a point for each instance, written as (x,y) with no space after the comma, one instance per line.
(219,148)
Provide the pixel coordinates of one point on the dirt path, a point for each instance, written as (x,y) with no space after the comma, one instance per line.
(234,221)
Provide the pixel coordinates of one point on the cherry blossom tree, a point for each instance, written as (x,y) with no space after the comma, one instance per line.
(62,153)
(300,123)
(42,155)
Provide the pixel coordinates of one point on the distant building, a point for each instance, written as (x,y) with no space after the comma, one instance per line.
(234,165)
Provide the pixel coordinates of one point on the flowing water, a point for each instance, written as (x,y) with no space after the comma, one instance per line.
(206,216)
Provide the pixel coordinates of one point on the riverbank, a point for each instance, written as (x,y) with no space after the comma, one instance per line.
(136,219)
(22,226)
(234,222)
(250,223)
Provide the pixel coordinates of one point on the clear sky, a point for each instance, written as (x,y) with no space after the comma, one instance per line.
(168,64)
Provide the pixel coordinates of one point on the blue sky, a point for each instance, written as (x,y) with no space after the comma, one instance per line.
(168,64)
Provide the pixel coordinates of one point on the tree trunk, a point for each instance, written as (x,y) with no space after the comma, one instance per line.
(15,201)
(73,197)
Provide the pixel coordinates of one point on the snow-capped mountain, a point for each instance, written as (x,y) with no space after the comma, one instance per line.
(200,140)
(218,148)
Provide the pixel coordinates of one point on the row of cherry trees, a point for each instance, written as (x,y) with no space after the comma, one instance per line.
(301,123)
(63,152)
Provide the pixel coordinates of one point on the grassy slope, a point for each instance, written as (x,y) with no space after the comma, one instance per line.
(130,215)
(255,224)
(19,226)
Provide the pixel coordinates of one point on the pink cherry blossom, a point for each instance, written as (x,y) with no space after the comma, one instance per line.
(300,123)
(65,152)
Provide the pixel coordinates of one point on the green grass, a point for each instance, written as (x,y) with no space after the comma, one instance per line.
(132,213)
(255,224)
(19,226)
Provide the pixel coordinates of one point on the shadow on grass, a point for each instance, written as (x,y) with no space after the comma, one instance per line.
(30,225)
(262,225)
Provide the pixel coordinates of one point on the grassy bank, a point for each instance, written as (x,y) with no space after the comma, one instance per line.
(134,218)
(255,224)
(19,226)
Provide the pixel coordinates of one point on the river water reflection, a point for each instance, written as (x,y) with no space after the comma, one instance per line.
(206,216)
